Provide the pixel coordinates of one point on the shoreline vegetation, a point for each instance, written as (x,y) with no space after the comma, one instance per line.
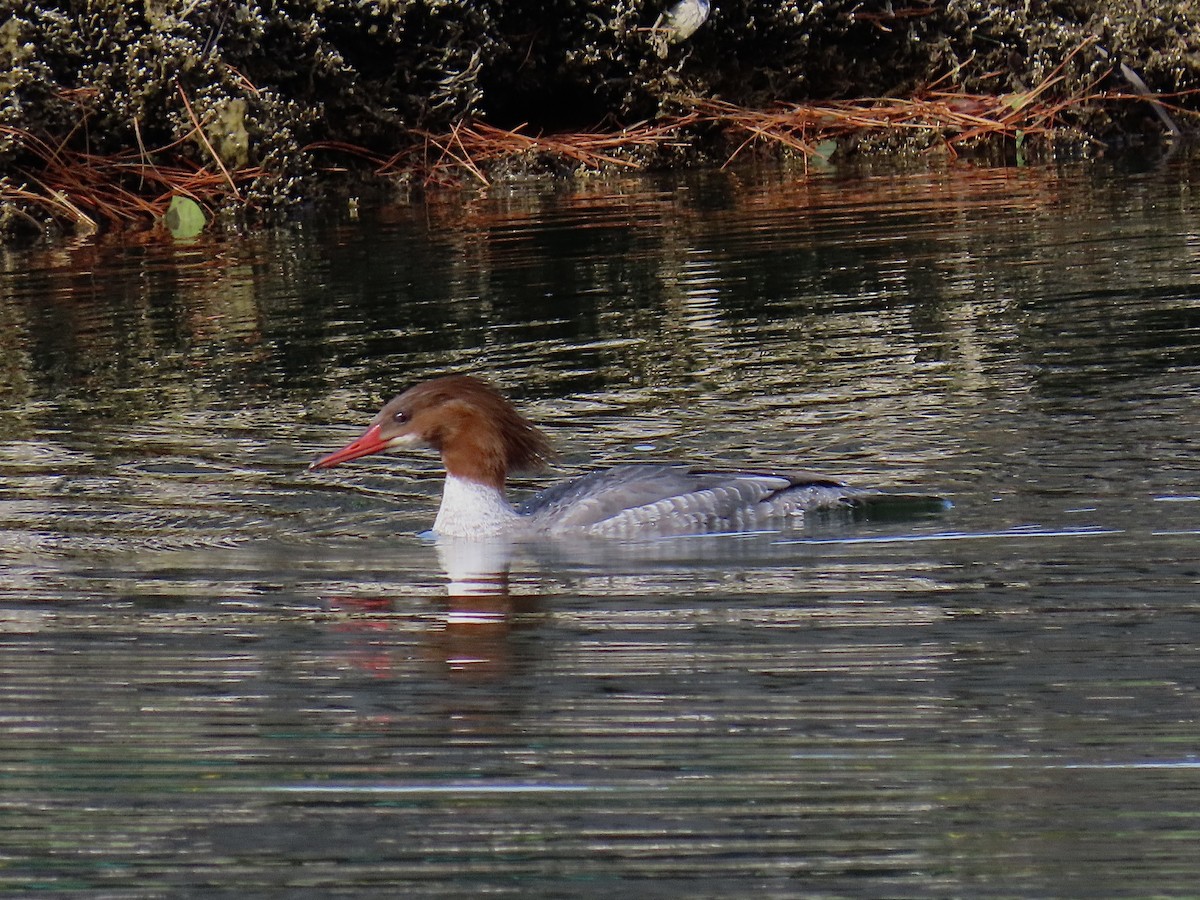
(109,111)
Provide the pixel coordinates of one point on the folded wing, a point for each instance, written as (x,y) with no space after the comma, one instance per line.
(675,498)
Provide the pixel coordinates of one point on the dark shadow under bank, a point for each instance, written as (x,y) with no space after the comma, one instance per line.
(109,110)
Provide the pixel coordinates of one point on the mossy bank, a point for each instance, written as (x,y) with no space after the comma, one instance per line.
(252,106)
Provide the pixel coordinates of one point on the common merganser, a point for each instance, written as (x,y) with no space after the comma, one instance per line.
(482,438)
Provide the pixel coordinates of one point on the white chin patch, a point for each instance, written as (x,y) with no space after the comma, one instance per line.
(404,440)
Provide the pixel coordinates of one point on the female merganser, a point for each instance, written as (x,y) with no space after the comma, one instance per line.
(482,438)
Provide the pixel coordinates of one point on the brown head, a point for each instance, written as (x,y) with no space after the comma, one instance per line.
(479,433)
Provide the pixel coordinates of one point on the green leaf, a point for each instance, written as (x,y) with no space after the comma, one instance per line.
(184,218)
(1015,102)
(825,149)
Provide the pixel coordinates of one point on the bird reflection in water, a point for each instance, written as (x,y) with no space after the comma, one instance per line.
(470,636)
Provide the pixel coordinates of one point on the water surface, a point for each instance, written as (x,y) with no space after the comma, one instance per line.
(224,674)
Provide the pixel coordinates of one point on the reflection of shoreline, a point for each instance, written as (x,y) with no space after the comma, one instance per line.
(99,317)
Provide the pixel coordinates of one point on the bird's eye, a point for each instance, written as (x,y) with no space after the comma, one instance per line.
(400,416)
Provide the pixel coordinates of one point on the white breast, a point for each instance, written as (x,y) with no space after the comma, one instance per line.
(470,509)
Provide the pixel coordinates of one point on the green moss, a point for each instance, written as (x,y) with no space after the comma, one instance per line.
(226,131)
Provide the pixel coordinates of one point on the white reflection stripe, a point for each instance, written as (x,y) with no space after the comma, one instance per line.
(960,536)
(1014,762)
(1148,764)
(424,788)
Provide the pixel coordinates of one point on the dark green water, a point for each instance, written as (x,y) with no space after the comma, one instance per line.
(221,674)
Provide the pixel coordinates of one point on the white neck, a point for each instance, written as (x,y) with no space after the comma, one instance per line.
(470,509)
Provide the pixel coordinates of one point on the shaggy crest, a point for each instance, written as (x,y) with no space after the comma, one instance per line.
(479,433)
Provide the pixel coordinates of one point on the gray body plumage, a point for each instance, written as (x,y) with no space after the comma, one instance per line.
(675,498)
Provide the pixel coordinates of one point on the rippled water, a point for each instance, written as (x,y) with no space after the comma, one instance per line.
(224,674)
